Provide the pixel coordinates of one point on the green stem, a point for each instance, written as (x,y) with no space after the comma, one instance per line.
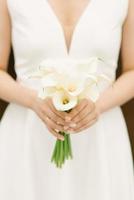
(61,154)
(54,152)
(62,150)
(57,153)
(66,146)
(69,146)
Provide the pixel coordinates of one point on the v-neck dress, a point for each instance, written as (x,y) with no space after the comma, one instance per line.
(102,167)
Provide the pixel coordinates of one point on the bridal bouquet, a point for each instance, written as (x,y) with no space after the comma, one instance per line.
(67,82)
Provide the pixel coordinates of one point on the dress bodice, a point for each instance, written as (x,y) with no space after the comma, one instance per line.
(37,33)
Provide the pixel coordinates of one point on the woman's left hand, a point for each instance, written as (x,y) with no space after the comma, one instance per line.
(81,117)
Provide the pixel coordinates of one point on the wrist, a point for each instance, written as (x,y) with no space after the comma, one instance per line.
(99,107)
(33,96)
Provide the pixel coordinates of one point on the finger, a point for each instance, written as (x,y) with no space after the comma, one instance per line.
(58,120)
(60,114)
(50,122)
(85,121)
(77,109)
(87,110)
(52,131)
(55,133)
(83,127)
(86,126)
(53,125)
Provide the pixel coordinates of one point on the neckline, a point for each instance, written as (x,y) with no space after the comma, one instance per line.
(76,26)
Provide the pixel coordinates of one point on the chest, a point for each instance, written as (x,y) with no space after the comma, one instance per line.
(94,27)
(68,12)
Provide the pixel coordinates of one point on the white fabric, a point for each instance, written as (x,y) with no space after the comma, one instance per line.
(102,168)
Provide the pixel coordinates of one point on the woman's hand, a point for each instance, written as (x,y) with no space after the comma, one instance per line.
(53,119)
(84,115)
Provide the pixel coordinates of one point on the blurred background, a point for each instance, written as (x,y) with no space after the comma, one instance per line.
(128,109)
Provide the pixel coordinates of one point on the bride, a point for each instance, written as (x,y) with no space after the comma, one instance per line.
(102,167)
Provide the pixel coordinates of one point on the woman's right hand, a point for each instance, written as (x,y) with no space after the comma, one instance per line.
(53,119)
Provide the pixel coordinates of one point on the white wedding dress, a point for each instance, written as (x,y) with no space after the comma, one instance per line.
(102,167)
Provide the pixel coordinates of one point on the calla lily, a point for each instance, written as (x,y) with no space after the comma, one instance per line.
(90,92)
(63,101)
(73,85)
(89,66)
(50,80)
(46,92)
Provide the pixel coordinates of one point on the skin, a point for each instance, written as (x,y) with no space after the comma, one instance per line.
(86,113)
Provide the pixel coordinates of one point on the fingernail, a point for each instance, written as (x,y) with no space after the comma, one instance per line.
(72,125)
(57,130)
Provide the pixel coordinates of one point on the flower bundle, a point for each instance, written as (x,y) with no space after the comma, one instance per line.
(67,82)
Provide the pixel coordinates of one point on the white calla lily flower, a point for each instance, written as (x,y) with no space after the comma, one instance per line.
(46,92)
(93,93)
(63,101)
(90,92)
(74,85)
(49,80)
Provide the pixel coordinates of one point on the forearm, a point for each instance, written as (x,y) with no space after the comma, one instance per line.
(118,94)
(11,91)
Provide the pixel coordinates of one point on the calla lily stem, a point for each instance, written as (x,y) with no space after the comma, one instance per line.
(62,150)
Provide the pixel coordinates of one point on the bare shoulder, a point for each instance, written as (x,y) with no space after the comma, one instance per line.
(4,15)
(127,47)
(130,8)
(5,34)
(3,5)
